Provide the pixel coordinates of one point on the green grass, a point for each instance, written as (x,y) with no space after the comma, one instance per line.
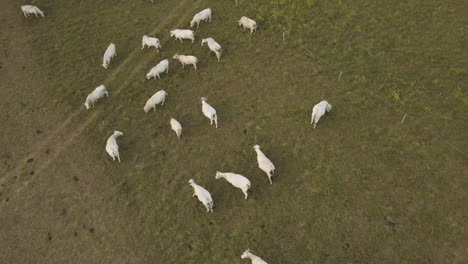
(362,188)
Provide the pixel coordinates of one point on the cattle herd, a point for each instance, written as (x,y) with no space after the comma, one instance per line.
(236,180)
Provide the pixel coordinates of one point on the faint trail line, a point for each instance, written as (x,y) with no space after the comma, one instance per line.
(109,79)
(417,122)
(40,148)
(308,51)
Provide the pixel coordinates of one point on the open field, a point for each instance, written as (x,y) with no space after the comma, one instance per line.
(362,188)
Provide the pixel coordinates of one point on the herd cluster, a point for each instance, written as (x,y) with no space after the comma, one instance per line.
(236,180)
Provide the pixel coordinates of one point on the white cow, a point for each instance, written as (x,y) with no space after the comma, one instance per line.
(108,55)
(30,9)
(236,180)
(202,15)
(177,127)
(264,163)
(183,34)
(157,98)
(162,66)
(98,93)
(111,146)
(214,46)
(150,42)
(318,111)
(252,257)
(209,112)
(203,195)
(246,22)
(186,59)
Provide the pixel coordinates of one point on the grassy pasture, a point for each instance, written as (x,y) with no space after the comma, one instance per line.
(362,188)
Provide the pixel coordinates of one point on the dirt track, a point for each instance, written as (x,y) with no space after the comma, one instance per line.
(53,208)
